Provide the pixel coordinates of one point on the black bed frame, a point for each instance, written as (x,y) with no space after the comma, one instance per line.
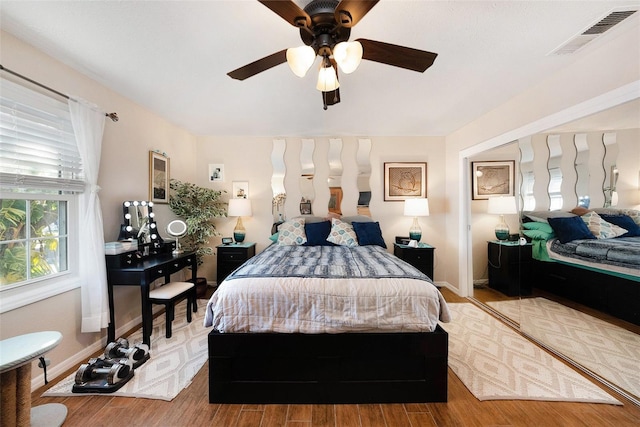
(610,294)
(295,368)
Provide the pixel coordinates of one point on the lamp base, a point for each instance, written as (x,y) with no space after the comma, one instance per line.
(239,232)
(415,232)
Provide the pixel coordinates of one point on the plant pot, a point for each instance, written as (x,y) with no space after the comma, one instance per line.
(201,286)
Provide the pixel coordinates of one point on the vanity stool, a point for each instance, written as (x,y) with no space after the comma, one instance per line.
(172,293)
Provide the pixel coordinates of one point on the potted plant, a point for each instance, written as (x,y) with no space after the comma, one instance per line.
(197,206)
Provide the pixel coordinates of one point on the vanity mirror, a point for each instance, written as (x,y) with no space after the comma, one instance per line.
(139,223)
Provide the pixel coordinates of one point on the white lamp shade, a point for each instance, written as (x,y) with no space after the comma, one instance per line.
(416,207)
(300,59)
(327,79)
(348,55)
(239,207)
(502,205)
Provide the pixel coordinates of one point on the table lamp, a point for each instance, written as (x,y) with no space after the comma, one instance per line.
(239,208)
(502,205)
(415,208)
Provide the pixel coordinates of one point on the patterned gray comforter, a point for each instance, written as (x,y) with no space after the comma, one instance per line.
(621,251)
(333,262)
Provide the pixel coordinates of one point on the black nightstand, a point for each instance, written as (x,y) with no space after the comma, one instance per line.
(231,256)
(420,257)
(510,267)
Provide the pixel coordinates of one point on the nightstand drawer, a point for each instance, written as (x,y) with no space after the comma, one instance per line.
(420,257)
(231,257)
(232,254)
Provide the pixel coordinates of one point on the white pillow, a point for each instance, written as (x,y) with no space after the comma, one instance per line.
(342,233)
(601,228)
(291,233)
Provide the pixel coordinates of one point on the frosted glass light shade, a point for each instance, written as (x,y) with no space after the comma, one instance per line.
(239,207)
(300,59)
(348,56)
(502,205)
(327,79)
(416,207)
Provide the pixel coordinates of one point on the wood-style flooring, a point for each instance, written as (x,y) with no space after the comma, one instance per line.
(191,408)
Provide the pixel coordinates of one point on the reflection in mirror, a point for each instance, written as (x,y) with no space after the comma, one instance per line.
(306,178)
(555,172)
(277,180)
(527,176)
(610,169)
(335,176)
(139,223)
(364,175)
(582,169)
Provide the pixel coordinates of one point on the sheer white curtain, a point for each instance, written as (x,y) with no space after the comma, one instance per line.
(88,125)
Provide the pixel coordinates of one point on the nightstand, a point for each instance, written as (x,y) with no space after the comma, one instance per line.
(510,267)
(231,256)
(420,257)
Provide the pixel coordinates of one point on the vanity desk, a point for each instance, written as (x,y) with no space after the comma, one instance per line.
(133,268)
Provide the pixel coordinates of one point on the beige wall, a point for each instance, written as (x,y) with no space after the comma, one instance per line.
(593,73)
(124,174)
(249,159)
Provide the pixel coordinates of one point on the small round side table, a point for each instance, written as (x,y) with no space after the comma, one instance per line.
(16,355)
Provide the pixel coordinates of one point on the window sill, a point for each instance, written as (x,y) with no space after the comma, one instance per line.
(21,296)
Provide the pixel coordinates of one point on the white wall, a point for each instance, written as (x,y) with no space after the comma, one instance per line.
(594,72)
(249,159)
(124,175)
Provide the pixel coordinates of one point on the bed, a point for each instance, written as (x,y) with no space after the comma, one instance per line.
(317,322)
(590,257)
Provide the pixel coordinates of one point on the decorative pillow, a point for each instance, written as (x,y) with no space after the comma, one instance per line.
(633,214)
(342,233)
(292,232)
(317,233)
(356,218)
(543,216)
(368,233)
(601,228)
(538,234)
(541,226)
(625,222)
(579,210)
(571,228)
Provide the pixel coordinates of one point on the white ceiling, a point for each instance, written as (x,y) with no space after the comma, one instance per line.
(172,57)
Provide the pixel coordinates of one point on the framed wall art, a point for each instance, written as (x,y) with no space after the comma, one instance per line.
(158,177)
(404,180)
(240,190)
(493,178)
(216,172)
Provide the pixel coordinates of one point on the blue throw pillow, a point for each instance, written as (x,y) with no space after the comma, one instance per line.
(625,222)
(369,233)
(317,233)
(571,228)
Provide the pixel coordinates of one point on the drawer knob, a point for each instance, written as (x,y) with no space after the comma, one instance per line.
(160,271)
(176,265)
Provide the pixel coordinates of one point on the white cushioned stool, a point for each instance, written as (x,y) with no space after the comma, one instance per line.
(172,293)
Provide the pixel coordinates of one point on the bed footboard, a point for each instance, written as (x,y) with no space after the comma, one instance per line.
(328,368)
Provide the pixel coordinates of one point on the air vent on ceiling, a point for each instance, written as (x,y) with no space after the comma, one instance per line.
(593,32)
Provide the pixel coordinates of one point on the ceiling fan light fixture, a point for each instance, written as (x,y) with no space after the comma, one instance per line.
(327,79)
(300,59)
(348,55)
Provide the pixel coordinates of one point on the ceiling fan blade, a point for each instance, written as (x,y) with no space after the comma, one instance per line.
(289,11)
(350,12)
(398,56)
(259,66)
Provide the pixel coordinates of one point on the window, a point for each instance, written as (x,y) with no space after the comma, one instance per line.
(40,174)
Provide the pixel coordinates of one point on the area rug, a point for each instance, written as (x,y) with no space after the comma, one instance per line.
(496,363)
(173,363)
(606,349)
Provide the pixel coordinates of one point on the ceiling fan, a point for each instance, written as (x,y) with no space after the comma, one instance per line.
(325,27)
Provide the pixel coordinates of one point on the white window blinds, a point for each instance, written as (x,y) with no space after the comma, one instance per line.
(38,150)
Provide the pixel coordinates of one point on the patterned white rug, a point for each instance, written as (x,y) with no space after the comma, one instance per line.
(496,363)
(608,350)
(173,363)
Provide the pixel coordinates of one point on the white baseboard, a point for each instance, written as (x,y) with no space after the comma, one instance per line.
(79,358)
